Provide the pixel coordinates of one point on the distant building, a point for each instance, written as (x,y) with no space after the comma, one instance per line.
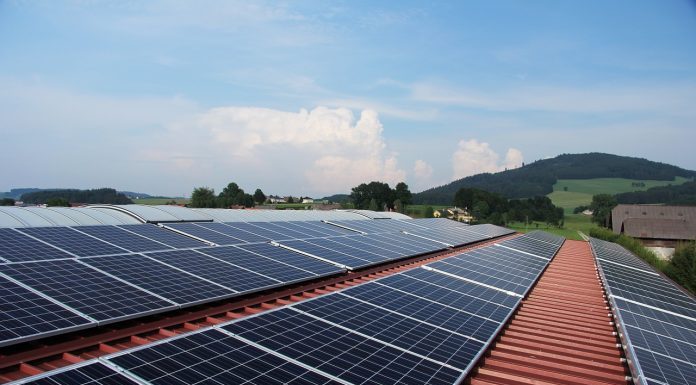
(654,225)
(307,200)
(456,213)
(276,199)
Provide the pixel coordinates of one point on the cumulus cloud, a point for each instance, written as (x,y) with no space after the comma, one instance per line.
(422,170)
(331,148)
(474,157)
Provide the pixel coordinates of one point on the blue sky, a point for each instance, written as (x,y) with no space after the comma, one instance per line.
(314,97)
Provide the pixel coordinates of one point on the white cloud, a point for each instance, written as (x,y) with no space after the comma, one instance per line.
(330,148)
(474,157)
(422,170)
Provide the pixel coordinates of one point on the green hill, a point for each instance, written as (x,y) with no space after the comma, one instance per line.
(609,173)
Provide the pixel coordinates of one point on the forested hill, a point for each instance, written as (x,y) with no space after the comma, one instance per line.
(101,195)
(538,178)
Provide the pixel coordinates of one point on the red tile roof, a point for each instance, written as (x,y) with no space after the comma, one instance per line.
(562,333)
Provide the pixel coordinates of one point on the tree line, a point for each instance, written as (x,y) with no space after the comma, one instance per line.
(488,207)
(67,196)
(231,195)
(378,196)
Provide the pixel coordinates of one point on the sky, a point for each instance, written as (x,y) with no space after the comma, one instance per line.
(315,97)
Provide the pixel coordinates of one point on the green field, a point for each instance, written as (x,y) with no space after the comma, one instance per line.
(160,201)
(573,224)
(571,193)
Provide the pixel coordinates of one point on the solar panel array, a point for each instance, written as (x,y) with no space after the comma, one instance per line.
(657,319)
(428,325)
(66,278)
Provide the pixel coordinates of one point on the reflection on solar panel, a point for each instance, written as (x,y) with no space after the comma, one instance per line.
(205,233)
(92,373)
(122,238)
(163,236)
(26,315)
(84,289)
(215,270)
(72,241)
(213,357)
(657,320)
(17,247)
(175,285)
(233,232)
(352,357)
(291,258)
(452,236)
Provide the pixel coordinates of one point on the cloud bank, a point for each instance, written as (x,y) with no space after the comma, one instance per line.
(474,157)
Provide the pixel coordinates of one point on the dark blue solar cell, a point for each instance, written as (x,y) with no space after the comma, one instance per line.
(122,238)
(162,235)
(532,246)
(206,234)
(94,373)
(17,247)
(348,356)
(27,315)
(327,254)
(454,236)
(223,273)
(73,241)
(392,328)
(293,259)
(426,310)
(270,268)
(233,232)
(347,246)
(213,357)
(84,289)
(160,279)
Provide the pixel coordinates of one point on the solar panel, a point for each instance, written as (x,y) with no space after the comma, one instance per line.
(90,292)
(72,241)
(205,234)
(358,243)
(122,238)
(296,260)
(233,232)
(349,356)
(453,236)
(284,233)
(491,231)
(326,254)
(392,328)
(213,357)
(92,373)
(546,237)
(531,246)
(26,315)
(423,309)
(161,235)
(165,281)
(17,247)
(264,234)
(372,256)
(322,228)
(279,271)
(657,320)
(215,270)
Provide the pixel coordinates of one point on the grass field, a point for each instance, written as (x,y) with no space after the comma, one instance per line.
(573,224)
(160,201)
(571,193)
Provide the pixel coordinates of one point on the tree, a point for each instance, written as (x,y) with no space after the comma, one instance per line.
(373,205)
(203,197)
(57,202)
(601,207)
(363,195)
(229,196)
(291,200)
(398,206)
(402,193)
(7,202)
(259,196)
(247,200)
(429,212)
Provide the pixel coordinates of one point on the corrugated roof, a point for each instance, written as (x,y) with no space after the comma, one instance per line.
(659,228)
(653,214)
(562,333)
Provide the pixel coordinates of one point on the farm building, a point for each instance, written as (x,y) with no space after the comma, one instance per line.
(654,225)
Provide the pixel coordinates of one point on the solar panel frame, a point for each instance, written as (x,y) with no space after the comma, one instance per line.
(27,315)
(215,270)
(177,286)
(89,292)
(90,372)
(122,238)
(19,247)
(171,238)
(74,242)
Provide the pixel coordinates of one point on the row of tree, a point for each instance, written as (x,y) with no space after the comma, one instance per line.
(378,196)
(487,207)
(231,195)
(100,195)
